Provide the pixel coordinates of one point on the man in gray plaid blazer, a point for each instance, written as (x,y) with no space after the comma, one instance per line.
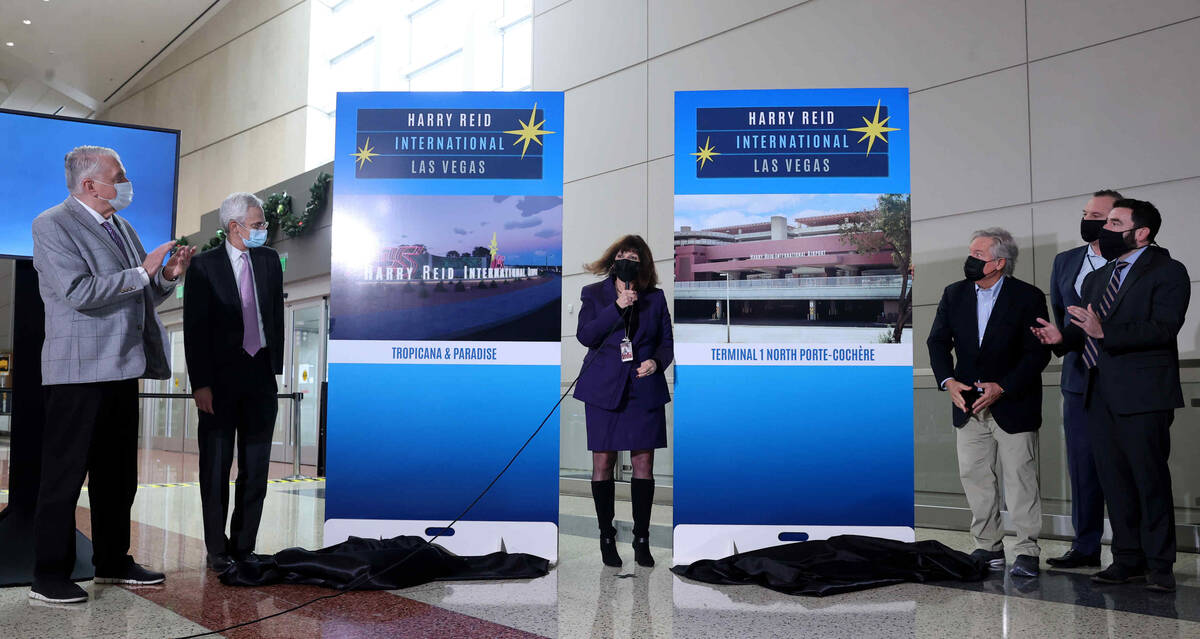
(100,289)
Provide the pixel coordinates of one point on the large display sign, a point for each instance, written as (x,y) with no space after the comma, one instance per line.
(793,392)
(445,317)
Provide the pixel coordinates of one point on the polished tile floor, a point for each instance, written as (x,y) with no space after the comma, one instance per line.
(580,597)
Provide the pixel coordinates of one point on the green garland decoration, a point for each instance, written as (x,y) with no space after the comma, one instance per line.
(295,224)
(277,209)
(215,241)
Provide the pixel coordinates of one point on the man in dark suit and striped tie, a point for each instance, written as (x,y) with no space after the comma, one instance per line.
(1066,285)
(1126,330)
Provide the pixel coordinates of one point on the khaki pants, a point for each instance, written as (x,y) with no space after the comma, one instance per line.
(980,443)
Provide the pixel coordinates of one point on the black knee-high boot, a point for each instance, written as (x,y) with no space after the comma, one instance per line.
(642,494)
(604,495)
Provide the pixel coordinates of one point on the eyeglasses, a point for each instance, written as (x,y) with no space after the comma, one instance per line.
(260,226)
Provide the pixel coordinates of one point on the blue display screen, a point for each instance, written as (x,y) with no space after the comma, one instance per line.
(32,150)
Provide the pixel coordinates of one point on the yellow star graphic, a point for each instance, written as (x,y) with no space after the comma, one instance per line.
(705,153)
(874,129)
(364,154)
(529,131)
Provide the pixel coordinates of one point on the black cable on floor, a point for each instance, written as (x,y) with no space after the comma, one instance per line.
(428,542)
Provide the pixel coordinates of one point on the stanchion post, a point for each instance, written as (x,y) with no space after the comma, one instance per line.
(296,399)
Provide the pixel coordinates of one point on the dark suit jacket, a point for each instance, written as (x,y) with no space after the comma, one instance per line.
(1010,354)
(605,382)
(1139,353)
(212,312)
(1062,294)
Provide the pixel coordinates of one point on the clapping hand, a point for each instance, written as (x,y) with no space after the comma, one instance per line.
(1047,333)
(1087,319)
(154,260)
(178,263)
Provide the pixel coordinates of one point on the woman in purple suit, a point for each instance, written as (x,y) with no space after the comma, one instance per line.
(625,324)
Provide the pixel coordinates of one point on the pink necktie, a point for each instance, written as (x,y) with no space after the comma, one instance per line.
(250,341)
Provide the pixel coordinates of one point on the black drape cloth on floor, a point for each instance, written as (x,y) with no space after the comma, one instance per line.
(839,564)
(338,566)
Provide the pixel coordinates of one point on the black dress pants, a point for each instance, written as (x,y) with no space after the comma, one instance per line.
(1131,454)
(1087,496)
(91,429)
(244,409)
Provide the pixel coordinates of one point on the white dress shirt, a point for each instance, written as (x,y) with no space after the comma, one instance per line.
(129,255)
(1091,262)
(235,260)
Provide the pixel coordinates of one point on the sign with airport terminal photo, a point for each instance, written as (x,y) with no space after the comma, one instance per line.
(792,318)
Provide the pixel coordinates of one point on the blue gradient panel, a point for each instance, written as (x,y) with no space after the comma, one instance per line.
(32,180)
(418,441)
(807,445)
(773,155)
(401,148)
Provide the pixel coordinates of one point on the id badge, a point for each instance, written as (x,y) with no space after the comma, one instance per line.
(626,350)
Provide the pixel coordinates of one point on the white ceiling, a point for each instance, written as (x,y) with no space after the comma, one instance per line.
(76,53)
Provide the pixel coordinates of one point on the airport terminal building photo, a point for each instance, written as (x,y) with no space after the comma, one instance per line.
(799,273)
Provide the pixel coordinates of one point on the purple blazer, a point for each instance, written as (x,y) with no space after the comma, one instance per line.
(605,382)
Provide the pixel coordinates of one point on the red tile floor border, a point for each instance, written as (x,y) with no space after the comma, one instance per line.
(196,594)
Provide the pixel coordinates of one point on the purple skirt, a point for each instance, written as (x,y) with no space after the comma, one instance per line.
(632,425)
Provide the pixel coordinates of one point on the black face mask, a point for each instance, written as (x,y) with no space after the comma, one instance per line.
(1089,230)
(973,268)
(625,270)
(1114,244)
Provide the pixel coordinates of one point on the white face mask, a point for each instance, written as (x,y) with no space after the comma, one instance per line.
(124,194)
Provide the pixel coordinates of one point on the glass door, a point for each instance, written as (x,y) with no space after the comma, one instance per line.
(165,420)
(304,370)
(307,371)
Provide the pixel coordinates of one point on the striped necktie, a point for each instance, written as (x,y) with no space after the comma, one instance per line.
(250,341)
(116,238)
(1091,348)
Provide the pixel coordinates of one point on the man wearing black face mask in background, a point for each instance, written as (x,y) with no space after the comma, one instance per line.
(991,365)
(1066,284)
(1125,330)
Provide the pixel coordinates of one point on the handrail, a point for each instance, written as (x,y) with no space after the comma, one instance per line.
(293,396)
(296,398)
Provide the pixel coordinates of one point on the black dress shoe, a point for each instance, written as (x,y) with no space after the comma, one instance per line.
(1025,566)
(993,558)
(132,574)
(58,592)
(1075,559)
(219,561)
(1160,582)
(1119,574)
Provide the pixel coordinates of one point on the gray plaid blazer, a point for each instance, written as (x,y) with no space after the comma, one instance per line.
(101,322)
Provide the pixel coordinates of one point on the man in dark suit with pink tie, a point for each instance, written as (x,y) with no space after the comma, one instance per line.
(233,338)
